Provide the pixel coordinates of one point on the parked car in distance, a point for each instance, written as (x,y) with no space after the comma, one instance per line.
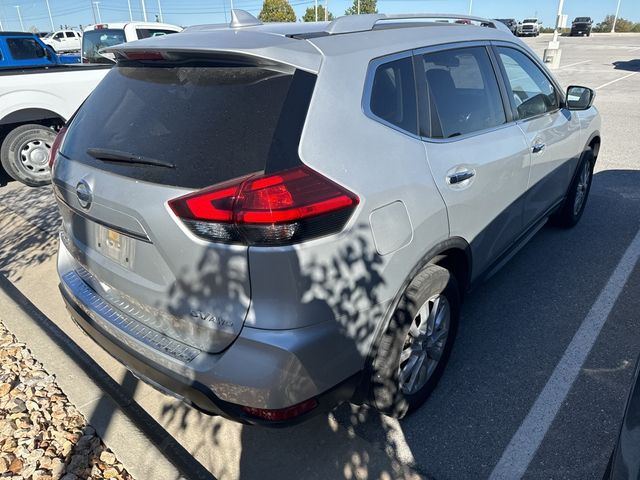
(529,27)
(64,40)
(581,26)
(271,282)
(511,23)
(37,101)
(22,49)
(102,35)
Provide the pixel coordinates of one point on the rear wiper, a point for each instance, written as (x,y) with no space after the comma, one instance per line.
(107,155)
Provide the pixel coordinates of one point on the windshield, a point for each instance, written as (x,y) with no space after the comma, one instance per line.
(582,19)
(95,40)
(530,20)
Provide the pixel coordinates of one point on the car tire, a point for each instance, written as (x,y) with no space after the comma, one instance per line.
(25,154)
(575,201)
(413,344)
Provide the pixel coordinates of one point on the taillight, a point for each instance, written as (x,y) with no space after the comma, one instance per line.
(55,147)
(281,414)
(273,209)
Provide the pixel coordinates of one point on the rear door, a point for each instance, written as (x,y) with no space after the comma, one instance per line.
(551,132)
(200,126)
(478,156)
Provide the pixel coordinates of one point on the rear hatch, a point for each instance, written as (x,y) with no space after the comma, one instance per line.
(149,133)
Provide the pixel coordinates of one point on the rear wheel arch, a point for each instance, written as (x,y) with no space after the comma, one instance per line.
(41,116)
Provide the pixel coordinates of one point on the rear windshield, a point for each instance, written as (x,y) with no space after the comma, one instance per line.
(582,19)
(94,40)
(530,20)
(211,123)
(152,32)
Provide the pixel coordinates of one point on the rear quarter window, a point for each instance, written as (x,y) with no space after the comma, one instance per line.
(393,94)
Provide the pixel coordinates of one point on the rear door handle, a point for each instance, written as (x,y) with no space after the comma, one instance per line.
(538,147)
(459,177)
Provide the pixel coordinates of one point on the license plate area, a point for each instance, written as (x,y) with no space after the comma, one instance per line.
(116,246)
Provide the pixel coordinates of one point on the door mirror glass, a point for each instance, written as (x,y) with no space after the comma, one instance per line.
(579,98)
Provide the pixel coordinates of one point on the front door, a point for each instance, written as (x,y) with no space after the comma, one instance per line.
(479,160)
(551,131)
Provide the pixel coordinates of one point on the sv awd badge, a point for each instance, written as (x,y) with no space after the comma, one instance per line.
(208,317)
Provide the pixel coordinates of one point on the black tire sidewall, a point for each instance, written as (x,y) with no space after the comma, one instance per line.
(386,394)
(566,217)
(9,152)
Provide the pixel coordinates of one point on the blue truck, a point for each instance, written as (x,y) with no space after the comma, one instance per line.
(23,50)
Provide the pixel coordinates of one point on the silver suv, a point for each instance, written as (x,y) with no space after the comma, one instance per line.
(267,220)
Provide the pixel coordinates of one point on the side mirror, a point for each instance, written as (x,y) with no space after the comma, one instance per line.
(579,98)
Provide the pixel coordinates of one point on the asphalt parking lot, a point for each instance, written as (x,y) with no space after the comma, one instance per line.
(516,396)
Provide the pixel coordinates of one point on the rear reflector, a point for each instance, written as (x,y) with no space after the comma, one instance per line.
(55,147)
(274,209)
(282,414)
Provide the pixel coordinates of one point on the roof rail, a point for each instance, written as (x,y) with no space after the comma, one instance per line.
(363,23)
(242,18)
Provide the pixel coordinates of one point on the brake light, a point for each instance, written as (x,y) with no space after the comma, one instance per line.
(281,414)
(273,209)
(55,147)
(143,56)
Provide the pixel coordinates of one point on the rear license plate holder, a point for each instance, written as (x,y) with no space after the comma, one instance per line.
(115,245)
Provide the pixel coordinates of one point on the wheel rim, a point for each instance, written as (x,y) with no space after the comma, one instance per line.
(424,344)
(34,157)
(581,188)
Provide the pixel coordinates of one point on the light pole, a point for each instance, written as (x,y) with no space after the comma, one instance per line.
(20,17)
(615,19)
(326,10)
(160,11)
(358,7)
(130,14)
(97,4)
(470,6)
(50,17)
(144,10)
(552,53)
(315,7)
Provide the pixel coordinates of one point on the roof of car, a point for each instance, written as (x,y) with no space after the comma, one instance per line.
(137,24)
(303,45)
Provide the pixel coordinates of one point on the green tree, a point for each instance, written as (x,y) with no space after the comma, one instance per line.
(622,25)
(277,11)
(310,14)
(366,6)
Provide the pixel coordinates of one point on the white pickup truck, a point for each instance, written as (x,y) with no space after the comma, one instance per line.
(34,104)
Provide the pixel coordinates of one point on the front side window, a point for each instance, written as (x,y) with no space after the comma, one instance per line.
(463,92)
(59,36)
(532,93)
(393,94)
(25,48)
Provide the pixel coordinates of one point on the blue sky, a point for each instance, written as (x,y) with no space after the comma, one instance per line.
(190,12)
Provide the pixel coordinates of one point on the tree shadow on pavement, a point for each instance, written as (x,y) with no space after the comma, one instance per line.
(29,223)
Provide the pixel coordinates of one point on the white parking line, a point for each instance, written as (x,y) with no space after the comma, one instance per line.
(574,64)
(525,442)
(616,80)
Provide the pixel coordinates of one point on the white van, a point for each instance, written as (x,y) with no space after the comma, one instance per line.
(64,40)
(102,35)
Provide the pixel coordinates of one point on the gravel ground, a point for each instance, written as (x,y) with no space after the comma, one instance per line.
(43,436)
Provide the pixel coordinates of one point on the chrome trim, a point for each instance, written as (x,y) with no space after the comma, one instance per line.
(128,330)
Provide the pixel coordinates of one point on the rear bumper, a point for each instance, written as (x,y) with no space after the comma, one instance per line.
(262,369)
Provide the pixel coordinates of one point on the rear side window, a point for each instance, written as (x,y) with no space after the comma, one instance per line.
(25,48)
(462,91)
(152,32)
(213,124)
(532,93)
(393,94)
(94,40)
(70,35)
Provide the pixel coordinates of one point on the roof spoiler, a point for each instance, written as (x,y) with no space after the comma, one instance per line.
(364,23)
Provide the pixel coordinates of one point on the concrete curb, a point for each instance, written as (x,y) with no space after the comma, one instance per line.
(143,446)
